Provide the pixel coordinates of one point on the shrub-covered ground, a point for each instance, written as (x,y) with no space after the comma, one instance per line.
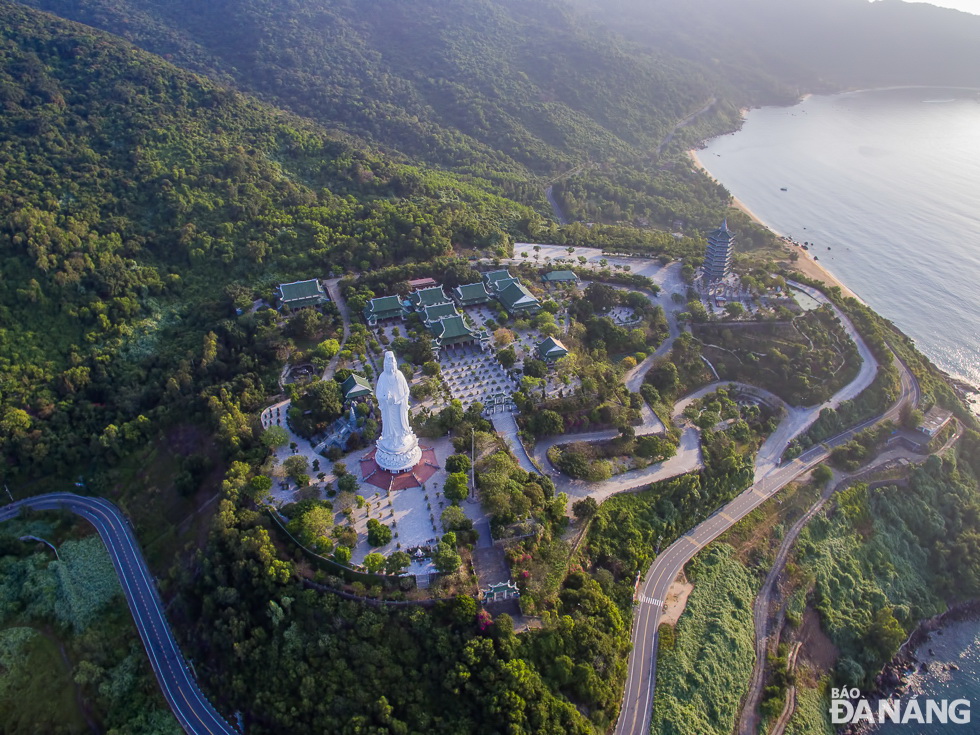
(804,361)
(701,680)
(812,717)
(66,628)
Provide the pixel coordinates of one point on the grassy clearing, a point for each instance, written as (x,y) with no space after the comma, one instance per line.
(757,536)
(87,581)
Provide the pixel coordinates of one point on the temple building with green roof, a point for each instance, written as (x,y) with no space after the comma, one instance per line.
(491,277)
(560,277)
(453,330)
(516,299)
(432,314)
(427,297)
(300,294)
(354,387)
(511,293)
(470,294)
(384,307)
(551,349)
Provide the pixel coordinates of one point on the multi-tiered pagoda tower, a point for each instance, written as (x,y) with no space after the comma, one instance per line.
(718,258)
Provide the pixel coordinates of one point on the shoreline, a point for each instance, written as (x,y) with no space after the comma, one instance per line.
(806,264)
(892,680)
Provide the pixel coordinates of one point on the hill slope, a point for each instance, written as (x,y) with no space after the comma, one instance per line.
(469,84)
(132,194)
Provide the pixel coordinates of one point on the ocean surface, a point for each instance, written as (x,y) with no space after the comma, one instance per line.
(959,644)
(885,186)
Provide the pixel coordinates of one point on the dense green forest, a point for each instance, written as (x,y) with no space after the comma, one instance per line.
(476,85)
(513,93)
(346,667)
(927,532)
(140,206)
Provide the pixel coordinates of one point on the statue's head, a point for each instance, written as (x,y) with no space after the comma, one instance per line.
(391,365)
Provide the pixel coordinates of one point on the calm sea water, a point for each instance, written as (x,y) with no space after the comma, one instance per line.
(886,184)
(960,645)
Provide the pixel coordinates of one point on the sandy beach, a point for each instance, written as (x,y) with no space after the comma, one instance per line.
(805,264)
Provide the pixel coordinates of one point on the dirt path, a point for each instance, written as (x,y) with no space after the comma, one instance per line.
(748,723)
(683,123)
(676,600)
(790,707)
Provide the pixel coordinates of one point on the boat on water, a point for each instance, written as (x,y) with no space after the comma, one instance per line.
(783,188)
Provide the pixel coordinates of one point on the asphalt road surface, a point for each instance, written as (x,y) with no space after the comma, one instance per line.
(634,716)
(189,705)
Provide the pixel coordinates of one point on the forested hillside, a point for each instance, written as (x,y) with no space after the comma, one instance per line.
(512,92)
(475,85)
(139,205)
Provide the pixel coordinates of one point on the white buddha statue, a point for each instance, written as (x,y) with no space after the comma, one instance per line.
(398,447)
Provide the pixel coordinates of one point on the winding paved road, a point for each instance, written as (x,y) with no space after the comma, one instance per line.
(635,715)
(191,708)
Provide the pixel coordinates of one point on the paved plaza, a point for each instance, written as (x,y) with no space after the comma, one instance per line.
(412,514)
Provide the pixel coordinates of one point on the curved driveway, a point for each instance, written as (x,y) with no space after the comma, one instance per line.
(687,459)
(189,705)
(800,419)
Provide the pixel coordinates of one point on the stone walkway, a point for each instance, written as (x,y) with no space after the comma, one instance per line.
(505,424)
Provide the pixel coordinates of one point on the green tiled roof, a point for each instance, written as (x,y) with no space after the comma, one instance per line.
(502,284)
(437,312)
(302,291)
(556,276)
(428,297)
(452,327)
(552,349)
(494,276)
(384,307)
(355,386)
(471,293)
(516,297)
